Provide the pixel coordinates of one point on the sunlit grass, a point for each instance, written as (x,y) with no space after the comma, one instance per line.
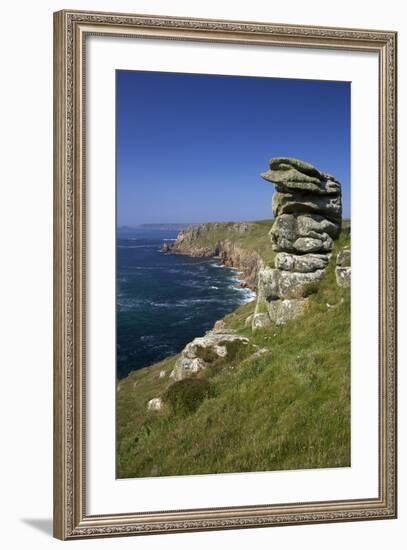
(287,408)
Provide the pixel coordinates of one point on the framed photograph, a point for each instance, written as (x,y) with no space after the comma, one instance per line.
(225,274)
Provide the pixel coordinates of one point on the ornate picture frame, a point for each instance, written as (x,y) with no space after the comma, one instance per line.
(71,519)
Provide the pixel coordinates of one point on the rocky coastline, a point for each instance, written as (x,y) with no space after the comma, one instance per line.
(196,241)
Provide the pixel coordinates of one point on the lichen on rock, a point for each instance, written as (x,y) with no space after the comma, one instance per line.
(281,311)
(304,263)
(155,404)
(307,207)
(343,268)
(204,350)
(289,174)
(343,258)
(260,320)
(343,276)
(277,284)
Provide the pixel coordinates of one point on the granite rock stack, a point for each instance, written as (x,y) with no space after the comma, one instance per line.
(307,210)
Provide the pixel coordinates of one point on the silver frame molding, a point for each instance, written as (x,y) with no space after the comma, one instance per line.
(70,31)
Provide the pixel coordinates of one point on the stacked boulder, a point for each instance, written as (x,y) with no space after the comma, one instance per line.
(307,209)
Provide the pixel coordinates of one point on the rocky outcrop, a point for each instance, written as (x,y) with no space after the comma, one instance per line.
(204,351)
(185,367)
(343,268)
(307,208)
(343,259)
(201,241)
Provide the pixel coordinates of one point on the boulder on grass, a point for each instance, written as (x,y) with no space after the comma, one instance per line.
(155,404)
(343,276)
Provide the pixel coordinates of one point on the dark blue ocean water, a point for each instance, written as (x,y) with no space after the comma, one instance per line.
(166,300)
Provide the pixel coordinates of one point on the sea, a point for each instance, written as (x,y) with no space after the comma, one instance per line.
(164,300)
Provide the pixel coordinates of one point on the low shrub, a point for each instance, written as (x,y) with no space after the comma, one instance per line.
(185,396)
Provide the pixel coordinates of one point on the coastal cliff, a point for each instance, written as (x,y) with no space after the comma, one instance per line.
(241,245)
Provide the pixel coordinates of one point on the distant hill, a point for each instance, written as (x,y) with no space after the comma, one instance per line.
(158,226)
(166,226)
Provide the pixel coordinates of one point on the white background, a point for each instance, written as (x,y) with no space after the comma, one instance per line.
(105,493)
(25,300)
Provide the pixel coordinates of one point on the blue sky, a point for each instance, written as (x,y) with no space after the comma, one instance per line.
(190,147)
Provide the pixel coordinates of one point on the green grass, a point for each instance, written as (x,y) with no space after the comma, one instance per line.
(288,408)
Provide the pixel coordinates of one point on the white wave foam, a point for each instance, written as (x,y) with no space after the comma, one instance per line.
(248,295)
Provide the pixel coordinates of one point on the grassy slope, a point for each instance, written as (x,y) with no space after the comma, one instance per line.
(287,409)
